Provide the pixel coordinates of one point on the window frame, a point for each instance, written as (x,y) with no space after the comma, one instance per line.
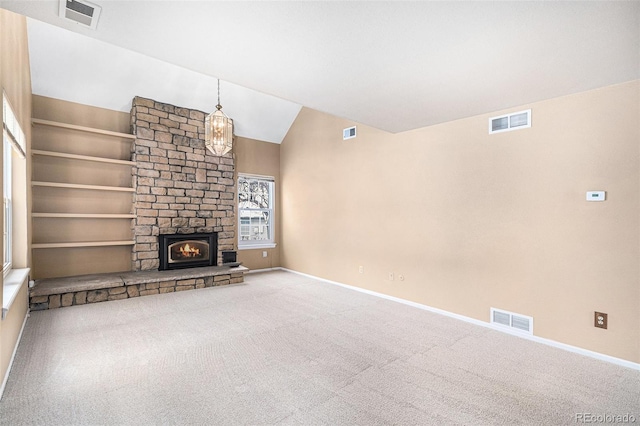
(7,226)
(13,146)
(257,244)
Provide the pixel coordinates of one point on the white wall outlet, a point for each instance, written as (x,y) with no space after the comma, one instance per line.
(390,276)
(361,269)
(264,254)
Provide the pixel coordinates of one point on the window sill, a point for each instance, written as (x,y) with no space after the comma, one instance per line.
(13,282)
(257,246)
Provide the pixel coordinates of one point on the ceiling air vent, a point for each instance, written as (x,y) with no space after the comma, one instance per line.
(349,133)
(513,321)
(504,123)
(80,12)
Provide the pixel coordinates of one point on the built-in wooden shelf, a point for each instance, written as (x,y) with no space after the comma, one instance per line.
(82,157)
(71,162)
(82,128)
(79,186)
(82,244)
(84,215)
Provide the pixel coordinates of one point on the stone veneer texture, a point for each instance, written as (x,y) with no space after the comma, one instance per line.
(180,187)
(60,300)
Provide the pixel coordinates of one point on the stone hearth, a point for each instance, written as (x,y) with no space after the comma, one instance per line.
(54,293)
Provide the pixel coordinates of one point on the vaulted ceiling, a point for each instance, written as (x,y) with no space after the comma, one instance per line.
(392,65)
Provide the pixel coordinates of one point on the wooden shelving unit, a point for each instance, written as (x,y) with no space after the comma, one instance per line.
(83,244)
(75,169)
(82,157)
(82,128)
(81,186)
(84,215)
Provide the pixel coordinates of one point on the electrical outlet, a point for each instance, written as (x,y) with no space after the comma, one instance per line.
(390,276)
(401,277)
(264,254)
(361,269)
(600,320)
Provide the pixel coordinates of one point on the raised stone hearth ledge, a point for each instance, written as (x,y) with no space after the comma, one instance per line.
(53,293)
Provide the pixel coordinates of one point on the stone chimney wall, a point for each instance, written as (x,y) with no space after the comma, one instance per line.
(180,187)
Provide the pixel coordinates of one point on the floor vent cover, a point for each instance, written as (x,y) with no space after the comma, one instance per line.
(511,320)
(81,12)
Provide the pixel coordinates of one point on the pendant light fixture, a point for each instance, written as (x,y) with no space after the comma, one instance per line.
(218,135)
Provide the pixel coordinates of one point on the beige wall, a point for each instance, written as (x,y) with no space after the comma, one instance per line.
(81,115)
(16,82)
(475,221)
(261,158)
(59,262)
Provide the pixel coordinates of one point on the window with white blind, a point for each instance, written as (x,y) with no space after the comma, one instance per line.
(255,211)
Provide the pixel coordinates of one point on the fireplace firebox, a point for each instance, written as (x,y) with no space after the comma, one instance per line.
(178,251)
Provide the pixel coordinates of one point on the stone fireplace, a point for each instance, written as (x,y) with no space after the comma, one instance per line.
(180,187)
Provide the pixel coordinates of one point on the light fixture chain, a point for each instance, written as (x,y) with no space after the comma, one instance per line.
(219,106)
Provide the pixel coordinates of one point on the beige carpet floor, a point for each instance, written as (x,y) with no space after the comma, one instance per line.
(286,349)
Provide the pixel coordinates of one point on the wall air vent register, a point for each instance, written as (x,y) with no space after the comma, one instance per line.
(515,121)
(81,12)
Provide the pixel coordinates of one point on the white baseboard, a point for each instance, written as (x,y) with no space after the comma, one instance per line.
(548,342)
(13,355)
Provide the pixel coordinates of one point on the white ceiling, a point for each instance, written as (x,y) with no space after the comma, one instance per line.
(67,65)
(392,65)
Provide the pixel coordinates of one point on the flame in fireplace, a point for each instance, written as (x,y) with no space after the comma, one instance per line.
(188,251)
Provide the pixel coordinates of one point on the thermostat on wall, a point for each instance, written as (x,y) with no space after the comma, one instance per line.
(595,196)
(349,133)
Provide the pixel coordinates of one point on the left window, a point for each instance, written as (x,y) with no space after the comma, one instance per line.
(13,141)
